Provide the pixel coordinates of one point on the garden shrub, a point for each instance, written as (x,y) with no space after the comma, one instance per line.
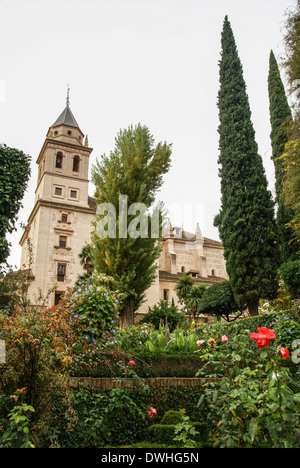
(93,311)
(165,431)
(290,273)
(256,403)
(38,354)
(162,433)
(165,313)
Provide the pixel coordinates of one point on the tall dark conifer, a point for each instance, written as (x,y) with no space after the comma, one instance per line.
(246,219)
(281,121)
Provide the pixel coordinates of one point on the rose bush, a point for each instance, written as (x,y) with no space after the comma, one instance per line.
(256,403)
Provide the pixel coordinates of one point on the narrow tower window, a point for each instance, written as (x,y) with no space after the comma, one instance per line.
(76,161)
(59,159)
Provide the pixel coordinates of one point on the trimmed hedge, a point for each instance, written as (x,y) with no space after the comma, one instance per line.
(146,365)
(164,432)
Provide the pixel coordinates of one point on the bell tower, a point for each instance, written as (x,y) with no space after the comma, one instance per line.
(60,222)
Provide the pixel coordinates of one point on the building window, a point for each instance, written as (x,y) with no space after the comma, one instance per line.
(58,297)
(166,294)
(213,272)
(64,218)
(76,162)
(61,271)
(59,160)
(62,242)
(73,193)
(58,191)
(182,269)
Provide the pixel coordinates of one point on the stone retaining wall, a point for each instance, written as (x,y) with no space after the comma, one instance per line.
(105,383)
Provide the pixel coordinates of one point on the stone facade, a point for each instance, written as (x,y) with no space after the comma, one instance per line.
(61,223)
(185,253)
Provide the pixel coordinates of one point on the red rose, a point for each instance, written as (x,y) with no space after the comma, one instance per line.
(152,412)
(131,363)
(262,337)
(283,352)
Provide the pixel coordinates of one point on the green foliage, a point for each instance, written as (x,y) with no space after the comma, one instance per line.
(255,408)
(173,417)
(286,328)
(96,418)
(185,433)
(14,175)
(246,219)
(290,273)
(17,435)
(93,312)
(135,170)
(178,341)
(166,313)
(218,300)
(38,345)
(256,401)
(281,121)
(133,337)
(291,155)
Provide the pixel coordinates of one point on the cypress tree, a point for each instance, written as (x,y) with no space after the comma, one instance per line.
(281,122)
(246,219)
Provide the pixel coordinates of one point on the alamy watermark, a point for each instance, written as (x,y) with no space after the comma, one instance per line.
(138,221)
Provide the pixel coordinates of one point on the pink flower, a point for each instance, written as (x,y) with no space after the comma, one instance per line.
(200,342)
(152,412)
(283,352)
(263,337)
(224,338)
(131,363)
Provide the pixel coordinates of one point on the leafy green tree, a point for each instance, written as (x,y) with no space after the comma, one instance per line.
(246,218)
(218,300)
(281,121)
(14,175)
(131,174)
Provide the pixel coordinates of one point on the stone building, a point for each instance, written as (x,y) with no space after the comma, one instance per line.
(60,224)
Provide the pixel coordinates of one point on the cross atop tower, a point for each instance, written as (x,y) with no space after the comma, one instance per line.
(68,95)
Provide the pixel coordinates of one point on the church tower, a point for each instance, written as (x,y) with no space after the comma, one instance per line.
(60,222)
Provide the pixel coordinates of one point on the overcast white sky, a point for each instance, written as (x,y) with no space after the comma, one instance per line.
(130,61)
